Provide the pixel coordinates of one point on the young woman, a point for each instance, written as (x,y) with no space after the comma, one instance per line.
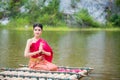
(39,52)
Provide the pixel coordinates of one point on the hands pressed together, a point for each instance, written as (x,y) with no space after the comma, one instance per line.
(42,51)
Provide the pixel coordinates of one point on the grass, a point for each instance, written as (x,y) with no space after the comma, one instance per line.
(79,29)
(64,28)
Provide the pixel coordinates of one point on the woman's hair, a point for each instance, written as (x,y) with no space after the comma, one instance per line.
(38,25)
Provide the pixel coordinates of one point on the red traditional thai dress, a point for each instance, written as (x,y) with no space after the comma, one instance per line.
(41,61)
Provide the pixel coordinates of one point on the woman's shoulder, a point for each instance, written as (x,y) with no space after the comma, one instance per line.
(30,40)
(43,40)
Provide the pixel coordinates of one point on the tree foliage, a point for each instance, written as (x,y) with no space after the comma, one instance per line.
(46,12)
(117,2)
(115,19)
(84,19)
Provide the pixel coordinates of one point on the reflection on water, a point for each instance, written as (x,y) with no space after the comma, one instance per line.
(3,46)
(97,49)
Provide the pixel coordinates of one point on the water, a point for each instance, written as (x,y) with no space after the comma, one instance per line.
(97,49)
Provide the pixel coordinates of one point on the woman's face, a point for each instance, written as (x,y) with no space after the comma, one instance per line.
(37,31)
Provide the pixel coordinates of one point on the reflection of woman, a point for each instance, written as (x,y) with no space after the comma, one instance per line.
(39,52)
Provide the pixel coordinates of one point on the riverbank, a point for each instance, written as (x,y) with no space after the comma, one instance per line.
(48,28)
(80,29)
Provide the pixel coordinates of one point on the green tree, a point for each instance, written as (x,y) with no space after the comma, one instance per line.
(117,2)
(14,6)
(84,19)
(115,19)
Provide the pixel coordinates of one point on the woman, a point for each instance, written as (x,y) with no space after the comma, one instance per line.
(39,52)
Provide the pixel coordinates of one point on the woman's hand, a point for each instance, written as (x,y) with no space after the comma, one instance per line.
(41,47)
(42,51)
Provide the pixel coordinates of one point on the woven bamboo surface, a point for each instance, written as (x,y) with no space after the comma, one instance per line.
(25,73)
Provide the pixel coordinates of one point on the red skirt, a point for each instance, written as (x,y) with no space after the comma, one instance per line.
(41,64)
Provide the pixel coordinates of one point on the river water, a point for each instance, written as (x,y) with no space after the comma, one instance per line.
(97,49)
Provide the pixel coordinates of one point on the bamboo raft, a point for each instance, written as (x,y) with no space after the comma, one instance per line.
(24,73)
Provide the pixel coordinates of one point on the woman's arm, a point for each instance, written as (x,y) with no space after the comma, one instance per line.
(27,52)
